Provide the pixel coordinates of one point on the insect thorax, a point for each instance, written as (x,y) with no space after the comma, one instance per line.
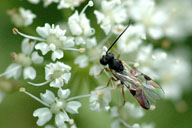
(112,63)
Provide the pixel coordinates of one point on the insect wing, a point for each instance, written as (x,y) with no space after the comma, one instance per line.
(142,87)
(152,91)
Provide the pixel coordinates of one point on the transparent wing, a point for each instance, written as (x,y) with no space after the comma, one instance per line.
(146,90)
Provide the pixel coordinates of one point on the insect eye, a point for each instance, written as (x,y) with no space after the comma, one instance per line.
(103,60)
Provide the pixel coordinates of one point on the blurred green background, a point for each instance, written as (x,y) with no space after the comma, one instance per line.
(16,109)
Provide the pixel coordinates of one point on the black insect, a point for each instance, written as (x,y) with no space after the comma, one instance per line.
(141,86)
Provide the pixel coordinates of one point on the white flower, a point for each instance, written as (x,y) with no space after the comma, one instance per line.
(131,39)
(69,3)
(127,111)
(56,105)
(22,17)
(34,1)
(171,79)
(23,61)
(124,113)
(54,40)
(82,61)
(48,2)
(179,24)
(135,112)
(100,99)
(145,12)
(167,69)
(144,125)
(79,26)
(95,70)
(58,73)
(113,13)
(71,125)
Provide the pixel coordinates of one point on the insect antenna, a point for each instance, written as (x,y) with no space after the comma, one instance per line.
(118,37)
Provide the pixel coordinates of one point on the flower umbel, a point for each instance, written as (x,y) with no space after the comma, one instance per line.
(58,106)
(57,74)
(23,61)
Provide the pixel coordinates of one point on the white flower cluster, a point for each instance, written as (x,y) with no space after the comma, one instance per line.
(23,61)
(149,21)
(58,106)
(21,17)
(61,3)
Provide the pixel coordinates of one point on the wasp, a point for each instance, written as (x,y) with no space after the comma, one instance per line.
(142,87)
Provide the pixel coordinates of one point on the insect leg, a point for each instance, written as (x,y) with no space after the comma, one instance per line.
(109,81)
(123,94)
(105,69)
(118,56)
(113,79)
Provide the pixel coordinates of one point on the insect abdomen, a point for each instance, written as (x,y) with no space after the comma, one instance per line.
(141,98)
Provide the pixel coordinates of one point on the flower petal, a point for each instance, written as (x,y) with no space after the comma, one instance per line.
(73,23)
(95,70)
(44,115)
(100,16)
(14,70)
(82,61)
(27,16)
(66,77)
(69,42)
(27,46)
(43,47)
(57,83)
(60,118)
(63,94)
(106,28)
(79,41)
(36,58)
(29,72)
(73,106)
(43,31)
(58,54)
(156,33)
(49,126)
(48,96)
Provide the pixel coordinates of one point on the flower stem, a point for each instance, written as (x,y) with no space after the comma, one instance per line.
(78,97)
(34,97)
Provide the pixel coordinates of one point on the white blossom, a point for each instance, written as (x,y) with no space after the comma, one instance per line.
(23,62)
(128,109)
(48,2)
(144,125)
(69,3)
(178,25)
(131,39)
(124,113)
(146,13)
(54,40)
(21,17)
(112,13)
(100,99)
(82,61)
(95,70)
(79,26)
(34,1)
(58,73)
(58,106)
(167,68)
